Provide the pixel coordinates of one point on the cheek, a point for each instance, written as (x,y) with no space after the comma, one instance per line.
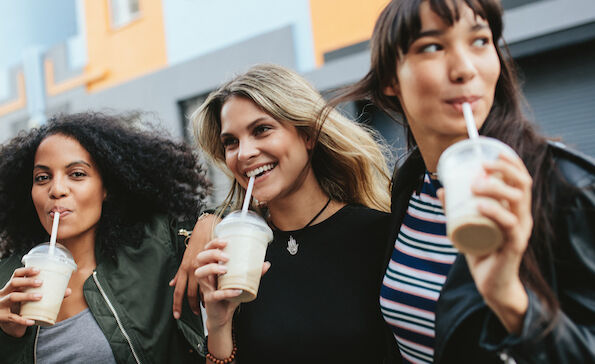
(416,82)
(491,70)
(37,198)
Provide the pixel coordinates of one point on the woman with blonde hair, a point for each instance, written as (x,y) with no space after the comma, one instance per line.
(320,183)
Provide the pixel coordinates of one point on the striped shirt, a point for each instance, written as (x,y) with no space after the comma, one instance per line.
(416,273)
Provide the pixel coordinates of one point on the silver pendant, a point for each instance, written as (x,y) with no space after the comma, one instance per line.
(292,245)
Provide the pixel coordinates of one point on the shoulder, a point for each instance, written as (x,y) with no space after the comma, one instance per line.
(163,230)
(576,169)
(358,216)
(361,211)
(8,265)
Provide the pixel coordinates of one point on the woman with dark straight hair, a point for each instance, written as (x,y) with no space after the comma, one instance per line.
(532,299)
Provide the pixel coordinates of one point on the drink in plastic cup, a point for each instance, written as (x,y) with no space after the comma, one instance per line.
(458,167)
(54,271)
(247,239)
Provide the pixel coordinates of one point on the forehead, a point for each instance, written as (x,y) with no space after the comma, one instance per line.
(58,148)
(432,18)
(238,112)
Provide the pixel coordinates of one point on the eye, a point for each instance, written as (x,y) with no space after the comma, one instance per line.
(481,42)
(262,128)
(78,174)
(41,178)
(430,48)
(228,142)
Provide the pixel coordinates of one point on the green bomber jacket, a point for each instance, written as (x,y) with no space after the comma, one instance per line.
(132,302)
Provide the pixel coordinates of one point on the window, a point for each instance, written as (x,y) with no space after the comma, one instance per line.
(123,12)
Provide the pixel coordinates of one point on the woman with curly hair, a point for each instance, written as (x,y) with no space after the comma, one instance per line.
(122,194)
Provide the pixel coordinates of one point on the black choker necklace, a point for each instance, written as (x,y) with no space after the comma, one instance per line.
(292,244)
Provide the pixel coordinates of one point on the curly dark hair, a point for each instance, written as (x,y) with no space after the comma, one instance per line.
(143,172)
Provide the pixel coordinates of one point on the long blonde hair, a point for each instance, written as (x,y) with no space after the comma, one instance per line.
(348,159)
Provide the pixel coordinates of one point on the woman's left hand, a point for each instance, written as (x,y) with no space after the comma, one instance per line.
(496,275)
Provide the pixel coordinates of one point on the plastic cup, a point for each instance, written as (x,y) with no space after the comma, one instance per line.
(54,271)
(458,167)
(247,239)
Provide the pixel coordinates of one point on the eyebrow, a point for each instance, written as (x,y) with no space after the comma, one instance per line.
(439,32)
(46,168)
(250,126)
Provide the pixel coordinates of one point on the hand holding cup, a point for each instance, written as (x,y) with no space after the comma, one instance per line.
(12,295)
(219,303)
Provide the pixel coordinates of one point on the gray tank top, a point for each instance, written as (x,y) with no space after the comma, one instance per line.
(77,339)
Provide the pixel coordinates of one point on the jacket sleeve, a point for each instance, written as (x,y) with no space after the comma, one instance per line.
(16,350)
(568,335)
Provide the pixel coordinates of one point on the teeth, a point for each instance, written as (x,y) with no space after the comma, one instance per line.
(259,170)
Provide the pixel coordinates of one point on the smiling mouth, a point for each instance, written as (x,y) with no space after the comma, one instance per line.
(257,172)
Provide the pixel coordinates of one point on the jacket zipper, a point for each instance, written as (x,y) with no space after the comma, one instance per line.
(111,307)
(35,345)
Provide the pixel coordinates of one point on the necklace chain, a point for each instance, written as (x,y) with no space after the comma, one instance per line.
(292,244)
(309,222)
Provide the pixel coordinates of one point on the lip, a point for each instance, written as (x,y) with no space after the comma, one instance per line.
(457,102)
(62,210)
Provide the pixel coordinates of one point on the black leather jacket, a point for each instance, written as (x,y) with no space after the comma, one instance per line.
(468,332)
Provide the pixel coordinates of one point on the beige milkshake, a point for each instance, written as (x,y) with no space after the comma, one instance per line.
(247,239)
(54,271)
(459,166)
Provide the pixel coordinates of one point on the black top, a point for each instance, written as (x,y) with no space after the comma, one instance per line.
(321,304)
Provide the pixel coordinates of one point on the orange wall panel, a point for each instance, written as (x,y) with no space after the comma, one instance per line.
(126,52)
(340,23)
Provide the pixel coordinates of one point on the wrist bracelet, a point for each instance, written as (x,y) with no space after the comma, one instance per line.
(227,360)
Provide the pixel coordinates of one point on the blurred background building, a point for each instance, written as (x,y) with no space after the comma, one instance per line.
(162,57)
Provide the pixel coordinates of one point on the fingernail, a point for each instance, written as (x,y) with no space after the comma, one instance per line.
(237,292)
(222,269)
(176,315)
(30,322)
(37,295)
(38,281)
(224,256)
(35,270)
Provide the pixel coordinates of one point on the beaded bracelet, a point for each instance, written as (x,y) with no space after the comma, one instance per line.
(227,360)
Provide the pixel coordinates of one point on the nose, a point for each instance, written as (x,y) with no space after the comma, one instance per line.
(247,149)
(58,188)
(461,65)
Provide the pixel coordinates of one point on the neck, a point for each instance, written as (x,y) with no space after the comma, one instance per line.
(82,250)
(431,149)
(294,211)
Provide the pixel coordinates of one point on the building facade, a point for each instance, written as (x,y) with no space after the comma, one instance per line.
(162,57)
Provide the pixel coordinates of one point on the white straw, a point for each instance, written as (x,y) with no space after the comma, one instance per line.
(54,233)
(470,121)
(247,197)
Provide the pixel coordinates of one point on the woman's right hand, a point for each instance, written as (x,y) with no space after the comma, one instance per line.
(217,305)
(11,298)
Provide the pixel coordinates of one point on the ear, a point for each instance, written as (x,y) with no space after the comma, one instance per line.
(392,90)
(104,194)
(309,142)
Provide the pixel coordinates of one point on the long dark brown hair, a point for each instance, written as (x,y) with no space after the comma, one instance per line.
(397,27)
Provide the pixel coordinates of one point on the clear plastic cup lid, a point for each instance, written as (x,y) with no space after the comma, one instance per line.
(42,250)
(251,218)
(489,149)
